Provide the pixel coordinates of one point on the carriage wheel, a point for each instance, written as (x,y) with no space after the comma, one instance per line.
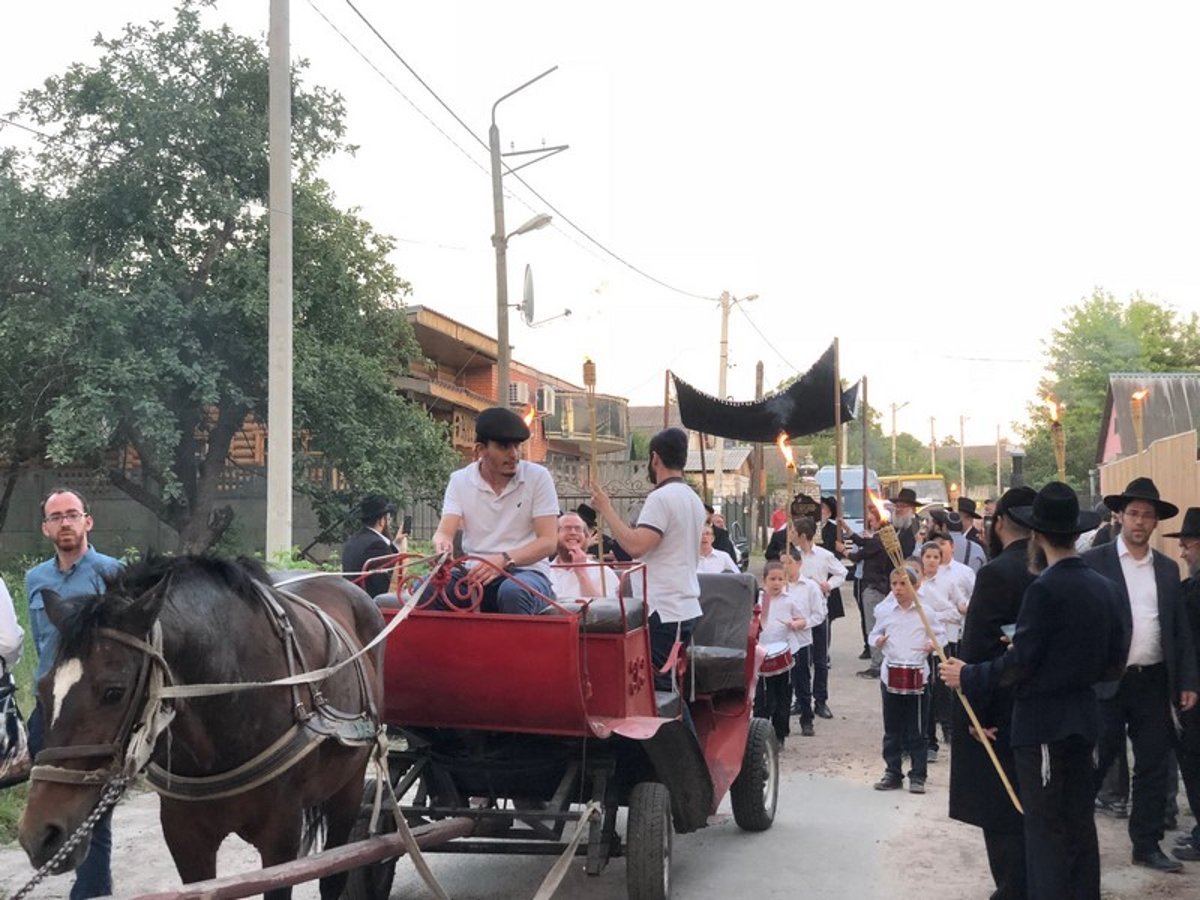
(374,880)
(648,842)
(755,792)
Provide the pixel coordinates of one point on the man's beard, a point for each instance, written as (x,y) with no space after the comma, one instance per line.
(650,473)
(995,548)
(902,520)
(1036,558)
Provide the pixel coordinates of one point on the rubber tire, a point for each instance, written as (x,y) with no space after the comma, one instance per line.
(755,792)
(373,881)
(648,838)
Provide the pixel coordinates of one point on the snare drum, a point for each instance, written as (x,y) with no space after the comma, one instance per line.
(906,678)
(779,658)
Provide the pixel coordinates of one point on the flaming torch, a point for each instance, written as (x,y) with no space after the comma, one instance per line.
(891,543)
(589,383)
(1056,435)
(529,416)
(1137,403)
(789,458)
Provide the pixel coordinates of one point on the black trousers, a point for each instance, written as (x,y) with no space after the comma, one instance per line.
(1140,708)
(1006,859)
(773,700)
(1189,766)
(802,682)
(1062,856)
(904,717)
(820,663)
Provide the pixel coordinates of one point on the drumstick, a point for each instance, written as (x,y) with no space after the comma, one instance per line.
(589,383)
(891,543)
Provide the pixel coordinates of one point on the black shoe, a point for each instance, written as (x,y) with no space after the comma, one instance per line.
(806,729)
(1117,809)
(796,709)
(822,710)
(889,782)
(931,756)
(916,785)
(1184,840)
(868,673)
(1157,860)
(866,653)
(1188,853)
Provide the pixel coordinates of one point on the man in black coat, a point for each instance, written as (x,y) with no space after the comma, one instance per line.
(969,512)
(375,511)
(1161,666)
(1189,744)
(1069,636)
(977,795)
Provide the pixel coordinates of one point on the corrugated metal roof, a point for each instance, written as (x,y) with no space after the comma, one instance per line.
(1171,407)
(734,459)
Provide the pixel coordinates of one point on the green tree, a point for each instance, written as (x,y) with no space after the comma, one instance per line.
(156,179)
(1100,335)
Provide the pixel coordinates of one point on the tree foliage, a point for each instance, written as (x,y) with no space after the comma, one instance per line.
(152,189)
(1098,336)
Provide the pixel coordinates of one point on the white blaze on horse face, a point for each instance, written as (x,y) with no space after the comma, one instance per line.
(66,677)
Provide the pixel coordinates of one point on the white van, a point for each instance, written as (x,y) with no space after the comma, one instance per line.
(852,490)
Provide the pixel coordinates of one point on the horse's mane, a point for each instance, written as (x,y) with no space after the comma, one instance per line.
(124,587)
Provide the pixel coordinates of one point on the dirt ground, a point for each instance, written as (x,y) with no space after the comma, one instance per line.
(929,854)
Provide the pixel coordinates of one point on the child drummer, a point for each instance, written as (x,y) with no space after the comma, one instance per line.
(813,608)
(904,673)
(782,617)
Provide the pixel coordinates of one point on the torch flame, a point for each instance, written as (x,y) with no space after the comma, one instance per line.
(1054,406)
(530,415)
(880,506)
(1140,395)
(786,449)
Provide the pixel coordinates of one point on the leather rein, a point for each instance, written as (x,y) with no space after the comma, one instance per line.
(142,725)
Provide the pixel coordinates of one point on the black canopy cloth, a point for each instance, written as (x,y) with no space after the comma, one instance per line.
(805,407)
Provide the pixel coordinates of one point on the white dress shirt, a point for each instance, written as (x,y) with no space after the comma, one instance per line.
(820,565)
(716,562)
(1145,647)
(11,633)
(906,637)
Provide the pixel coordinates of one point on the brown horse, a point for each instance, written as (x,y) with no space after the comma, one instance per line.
(219,625)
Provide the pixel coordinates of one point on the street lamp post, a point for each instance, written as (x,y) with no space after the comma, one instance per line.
(727,303)
(500,239)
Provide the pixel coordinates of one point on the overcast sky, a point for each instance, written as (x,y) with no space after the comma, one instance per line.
(931,182)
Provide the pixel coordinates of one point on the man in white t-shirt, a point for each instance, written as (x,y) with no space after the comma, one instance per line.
(667,539)
(575,575)
(712,560)
(507,509)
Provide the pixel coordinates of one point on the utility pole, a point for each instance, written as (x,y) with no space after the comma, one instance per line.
(758,475)
(932,447)
(896,407)
(727,303)
(962,456)
(279,286)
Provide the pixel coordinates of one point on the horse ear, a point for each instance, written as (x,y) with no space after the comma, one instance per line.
(60,609)
(143,610)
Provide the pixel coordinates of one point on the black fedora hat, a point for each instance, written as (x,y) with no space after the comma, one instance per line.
(375,506)
(804,506)
(586,513)
(907,496)
(1142,489)
(1014,497)
(967,507)
(1191,524)
(1055,510)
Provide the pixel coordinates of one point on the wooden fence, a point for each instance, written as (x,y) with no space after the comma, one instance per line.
(1172,463)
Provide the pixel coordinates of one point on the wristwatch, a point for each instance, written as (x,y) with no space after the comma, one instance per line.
(509,565)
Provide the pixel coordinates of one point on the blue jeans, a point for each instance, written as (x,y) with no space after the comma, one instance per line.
(93,878)
(505,595)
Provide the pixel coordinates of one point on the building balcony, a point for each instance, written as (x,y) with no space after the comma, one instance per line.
(569,423)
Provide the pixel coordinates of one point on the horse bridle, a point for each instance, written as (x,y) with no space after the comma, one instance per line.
(130,750)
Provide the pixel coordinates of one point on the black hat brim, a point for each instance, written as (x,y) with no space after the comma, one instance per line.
(1163,509)
(1023,516)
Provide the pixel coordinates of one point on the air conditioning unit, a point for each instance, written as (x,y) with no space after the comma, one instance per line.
(518,394)
(546,401)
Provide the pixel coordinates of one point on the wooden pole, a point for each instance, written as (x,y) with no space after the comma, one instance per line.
(703,471)
(589,383)
(758,477)
(864,419)
(837,434)
(667,399)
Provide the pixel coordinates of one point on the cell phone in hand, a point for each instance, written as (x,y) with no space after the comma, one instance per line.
(407,527)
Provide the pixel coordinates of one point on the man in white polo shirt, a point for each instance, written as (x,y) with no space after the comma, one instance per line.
(576,575)
(507,509)
(667,539)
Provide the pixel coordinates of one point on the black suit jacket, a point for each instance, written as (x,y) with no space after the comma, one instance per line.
(1070,635)
(1191,719)
(722,541)
(362,546)
(977,796)
(1178,652)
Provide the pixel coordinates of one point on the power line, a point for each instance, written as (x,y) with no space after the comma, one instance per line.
(558,212)
(742,308)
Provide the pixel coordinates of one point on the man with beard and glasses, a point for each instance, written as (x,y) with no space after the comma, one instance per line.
(75,570)
(977,796)
(1161,670)
(575,575)
(1069,635)
(1188,749)
(667,539)
(507,509)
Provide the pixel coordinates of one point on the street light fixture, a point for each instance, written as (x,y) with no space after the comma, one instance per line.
(500,238)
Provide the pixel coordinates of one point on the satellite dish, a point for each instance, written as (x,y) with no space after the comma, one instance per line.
(527,301)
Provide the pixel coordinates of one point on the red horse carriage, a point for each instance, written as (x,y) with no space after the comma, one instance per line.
(529,725)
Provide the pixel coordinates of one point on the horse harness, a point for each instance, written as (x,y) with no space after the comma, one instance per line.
(313,722)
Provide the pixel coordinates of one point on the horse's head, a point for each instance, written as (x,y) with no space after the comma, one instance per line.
(91,701)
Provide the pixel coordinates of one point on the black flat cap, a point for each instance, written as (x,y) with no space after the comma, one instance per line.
(499,424)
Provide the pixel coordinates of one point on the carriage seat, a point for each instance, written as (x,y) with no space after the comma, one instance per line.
(718,652)
(602,615)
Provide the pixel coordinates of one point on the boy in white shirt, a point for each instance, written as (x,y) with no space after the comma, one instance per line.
(782,618)
(900,634)
(823,567)
(811,602)
(713,561)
